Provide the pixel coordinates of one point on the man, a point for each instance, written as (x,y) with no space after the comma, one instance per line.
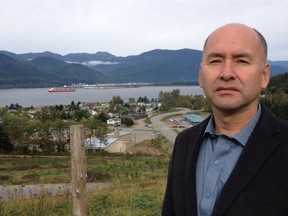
(236,161)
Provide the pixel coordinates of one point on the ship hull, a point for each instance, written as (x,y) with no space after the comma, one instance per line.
(54,90)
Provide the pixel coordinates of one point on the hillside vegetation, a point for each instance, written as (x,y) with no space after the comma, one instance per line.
(279,83)
(275,97)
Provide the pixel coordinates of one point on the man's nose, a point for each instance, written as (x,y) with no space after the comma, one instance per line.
(227,71)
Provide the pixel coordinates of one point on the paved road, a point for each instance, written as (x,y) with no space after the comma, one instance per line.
(165,128)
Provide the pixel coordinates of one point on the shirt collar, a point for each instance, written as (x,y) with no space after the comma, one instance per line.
(243,136)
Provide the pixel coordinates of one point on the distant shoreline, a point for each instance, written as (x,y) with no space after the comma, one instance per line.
(108,85)
(27,97)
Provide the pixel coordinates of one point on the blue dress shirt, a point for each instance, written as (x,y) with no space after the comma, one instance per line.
(217,158)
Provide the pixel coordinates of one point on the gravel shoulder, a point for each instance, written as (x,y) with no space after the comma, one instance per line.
(11,192)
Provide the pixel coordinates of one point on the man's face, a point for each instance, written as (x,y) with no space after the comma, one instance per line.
(233,69)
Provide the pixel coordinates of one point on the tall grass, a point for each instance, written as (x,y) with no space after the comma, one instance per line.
(139,186)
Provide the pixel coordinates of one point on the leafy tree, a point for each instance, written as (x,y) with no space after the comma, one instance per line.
(97,128)
(14,106)
(127,121)
(161,96)
(49,113)
(73,107)
(170,99)
(142,109)
(59,129)
(131,100)
(127,105)
(79,114)
(5,144)
(279,81)
(19,130)
(173,99)
(45,137)
(143,100)
(159,140)
(59,108)
(102,117)
(114,103)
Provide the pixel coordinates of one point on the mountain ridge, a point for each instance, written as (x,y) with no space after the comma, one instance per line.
(158,66)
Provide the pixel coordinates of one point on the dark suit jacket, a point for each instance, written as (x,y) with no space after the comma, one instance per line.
(258,185)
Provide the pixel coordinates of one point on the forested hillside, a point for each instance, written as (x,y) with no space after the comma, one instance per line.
(14,73)
(275,97)
(157,66)
(279,82)
(65,72)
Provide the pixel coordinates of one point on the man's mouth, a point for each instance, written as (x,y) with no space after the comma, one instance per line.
(221,88)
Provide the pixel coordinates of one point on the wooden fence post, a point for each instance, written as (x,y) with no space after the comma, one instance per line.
(78,170)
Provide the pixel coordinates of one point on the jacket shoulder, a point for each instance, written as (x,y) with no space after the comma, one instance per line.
(271,124)
(194,129)
(191,135)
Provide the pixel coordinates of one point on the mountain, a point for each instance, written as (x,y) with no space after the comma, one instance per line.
(86,57)
(279,63)
(67,73)
(277,69)
(31,56)
(12,55)
(15,73)
(44,72)
(155,66)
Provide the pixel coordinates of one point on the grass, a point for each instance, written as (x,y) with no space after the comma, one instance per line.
(23,170)
(139,184)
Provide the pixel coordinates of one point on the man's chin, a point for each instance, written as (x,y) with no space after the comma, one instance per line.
(227,107)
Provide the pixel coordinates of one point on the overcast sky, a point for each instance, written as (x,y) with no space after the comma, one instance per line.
(131,27)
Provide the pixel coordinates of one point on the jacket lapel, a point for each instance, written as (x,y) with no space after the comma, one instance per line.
(190,177)
(257,150)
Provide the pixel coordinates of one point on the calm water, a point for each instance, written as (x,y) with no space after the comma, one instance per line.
(41,97)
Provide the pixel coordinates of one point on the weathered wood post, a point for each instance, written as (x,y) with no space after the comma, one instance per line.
(78,170)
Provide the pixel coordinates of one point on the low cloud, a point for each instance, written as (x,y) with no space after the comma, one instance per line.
(93,63)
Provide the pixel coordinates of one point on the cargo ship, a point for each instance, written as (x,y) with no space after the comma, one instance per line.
(51,90)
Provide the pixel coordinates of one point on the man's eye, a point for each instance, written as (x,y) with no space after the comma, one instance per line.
(242,61)
(215,61)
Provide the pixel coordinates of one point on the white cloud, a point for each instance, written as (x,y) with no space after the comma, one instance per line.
(93,63)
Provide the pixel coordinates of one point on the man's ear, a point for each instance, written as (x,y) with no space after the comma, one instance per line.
(200,76)
(266,76)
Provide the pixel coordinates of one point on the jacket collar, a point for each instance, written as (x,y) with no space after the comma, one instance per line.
(196,136)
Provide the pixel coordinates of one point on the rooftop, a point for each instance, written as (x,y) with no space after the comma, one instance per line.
(95,143)
(192,118)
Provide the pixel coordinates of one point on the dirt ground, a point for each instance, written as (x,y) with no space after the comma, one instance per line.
(145,148)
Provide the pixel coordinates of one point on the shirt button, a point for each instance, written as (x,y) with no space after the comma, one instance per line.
(216,162)
(207,195)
